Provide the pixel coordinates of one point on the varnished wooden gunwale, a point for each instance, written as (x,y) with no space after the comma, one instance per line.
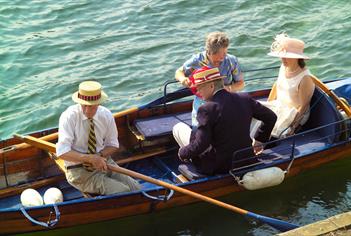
(109,208)
(129,205)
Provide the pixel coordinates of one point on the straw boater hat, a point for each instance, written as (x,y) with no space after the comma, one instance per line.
(205,75)
(285,47)
(89,93)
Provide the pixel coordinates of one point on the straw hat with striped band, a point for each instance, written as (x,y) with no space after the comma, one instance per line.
(205,75)
(89,93)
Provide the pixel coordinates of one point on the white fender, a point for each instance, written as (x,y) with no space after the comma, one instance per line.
(31,197)
(262,178)
(53,195)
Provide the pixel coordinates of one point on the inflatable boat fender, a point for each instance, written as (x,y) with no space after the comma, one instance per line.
(30,197)
(263,178)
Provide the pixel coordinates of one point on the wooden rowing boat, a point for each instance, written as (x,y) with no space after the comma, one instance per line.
(147,146)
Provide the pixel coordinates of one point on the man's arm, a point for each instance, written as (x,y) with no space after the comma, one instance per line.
(268,118)
(180,76)
(202,137)
(237,75)
(236,86)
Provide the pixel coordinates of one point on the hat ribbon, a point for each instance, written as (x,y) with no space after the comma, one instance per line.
(89,98)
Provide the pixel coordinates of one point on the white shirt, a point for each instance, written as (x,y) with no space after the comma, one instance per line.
(74,131)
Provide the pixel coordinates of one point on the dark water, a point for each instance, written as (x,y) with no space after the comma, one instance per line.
(132,47)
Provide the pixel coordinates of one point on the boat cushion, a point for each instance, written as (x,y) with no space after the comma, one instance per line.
(157,126)
(189,171)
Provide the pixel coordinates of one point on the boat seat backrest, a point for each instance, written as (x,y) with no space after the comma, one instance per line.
(158,126)
(323,112)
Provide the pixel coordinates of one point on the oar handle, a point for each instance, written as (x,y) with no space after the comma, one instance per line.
(42,144)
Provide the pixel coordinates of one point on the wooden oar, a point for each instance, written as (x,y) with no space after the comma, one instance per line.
(42,144)
(331,94)
(275,223)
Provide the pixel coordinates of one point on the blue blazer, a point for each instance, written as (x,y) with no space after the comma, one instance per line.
(224,127)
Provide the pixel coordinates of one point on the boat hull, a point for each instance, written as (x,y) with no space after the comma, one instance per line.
(23,163)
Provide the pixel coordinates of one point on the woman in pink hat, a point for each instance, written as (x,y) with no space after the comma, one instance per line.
(292,92)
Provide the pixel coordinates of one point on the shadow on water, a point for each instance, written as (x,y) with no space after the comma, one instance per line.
(311,196)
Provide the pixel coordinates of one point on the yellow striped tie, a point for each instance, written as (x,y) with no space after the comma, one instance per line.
(91,144)
(92,138)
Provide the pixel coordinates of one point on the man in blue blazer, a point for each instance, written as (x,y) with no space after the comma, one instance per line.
(224,126)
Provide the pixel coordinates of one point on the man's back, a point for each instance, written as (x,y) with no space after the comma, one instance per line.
(232,122)
(224,127)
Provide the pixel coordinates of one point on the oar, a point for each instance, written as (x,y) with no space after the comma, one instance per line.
(275,223)
(331,94)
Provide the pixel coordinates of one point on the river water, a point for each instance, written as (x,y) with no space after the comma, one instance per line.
(48,47)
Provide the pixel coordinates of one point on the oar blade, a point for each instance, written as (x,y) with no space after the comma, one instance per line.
(275,223)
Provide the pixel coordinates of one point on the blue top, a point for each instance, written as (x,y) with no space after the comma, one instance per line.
(229,67)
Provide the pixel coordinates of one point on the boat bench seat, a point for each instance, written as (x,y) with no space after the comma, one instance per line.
(158,126)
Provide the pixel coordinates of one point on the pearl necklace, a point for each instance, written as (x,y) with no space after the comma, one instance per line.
(287,72)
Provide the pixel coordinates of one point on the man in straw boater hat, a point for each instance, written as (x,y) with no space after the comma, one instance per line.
(224,126)
(87,139)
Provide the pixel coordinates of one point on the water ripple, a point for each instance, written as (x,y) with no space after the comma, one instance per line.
(132,47)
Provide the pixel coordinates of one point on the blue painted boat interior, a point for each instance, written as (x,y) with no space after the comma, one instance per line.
(319,133)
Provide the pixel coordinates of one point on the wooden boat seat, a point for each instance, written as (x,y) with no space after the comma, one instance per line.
(190,172)
(158,126)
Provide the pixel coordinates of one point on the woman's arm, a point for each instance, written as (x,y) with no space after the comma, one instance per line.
(273,93)
(305,92)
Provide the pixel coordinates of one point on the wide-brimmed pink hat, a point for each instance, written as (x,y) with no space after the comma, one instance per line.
(89,93)
(286,47)
(205,75)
